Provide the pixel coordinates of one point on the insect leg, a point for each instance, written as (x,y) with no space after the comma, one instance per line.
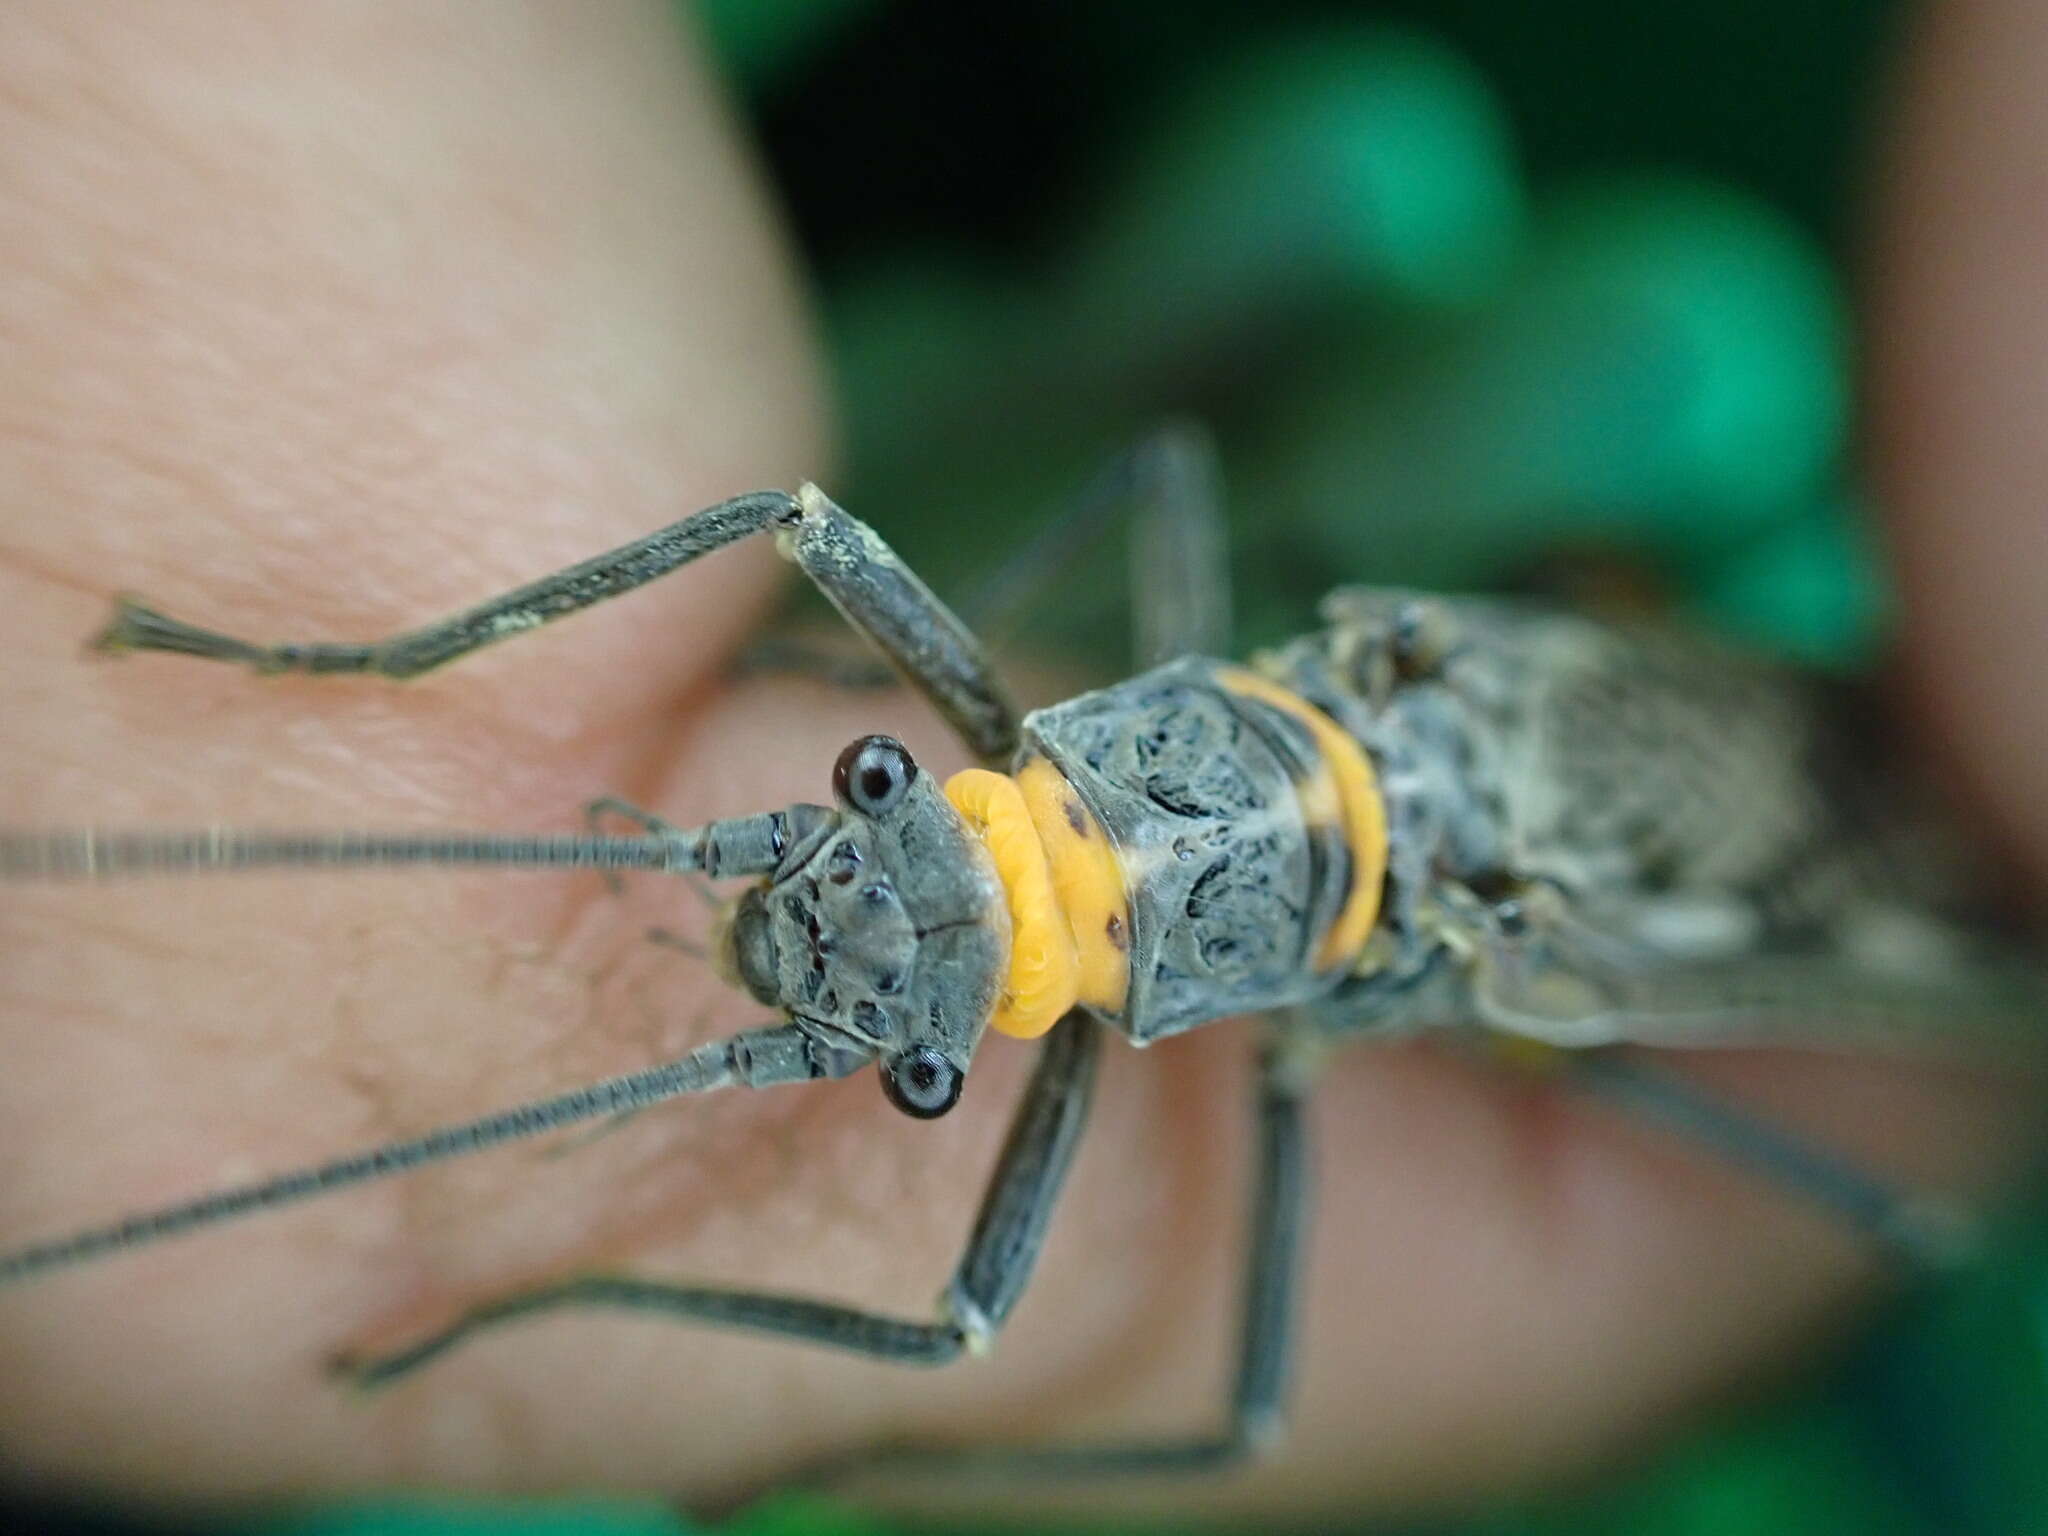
(899,615)
(847,561)
(137,627)
(1180,557)
(1169,489)
(594,814)
(793,1052)
(992,1274)
(1919,1232)
(1265,1350)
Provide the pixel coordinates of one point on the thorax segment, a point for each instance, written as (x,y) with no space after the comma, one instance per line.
(1210,842)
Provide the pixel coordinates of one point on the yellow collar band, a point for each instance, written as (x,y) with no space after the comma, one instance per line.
(1069,915)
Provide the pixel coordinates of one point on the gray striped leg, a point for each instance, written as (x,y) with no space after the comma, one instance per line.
(847,561)
(992,1274)
(1265,1354)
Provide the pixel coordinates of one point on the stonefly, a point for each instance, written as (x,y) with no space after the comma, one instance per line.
(1490,821)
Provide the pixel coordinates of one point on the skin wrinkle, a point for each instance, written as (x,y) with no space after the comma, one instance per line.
(29,567)
(132,938)
(171,958)
(413,1249)
(669,732)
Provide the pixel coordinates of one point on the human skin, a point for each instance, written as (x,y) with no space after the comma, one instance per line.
(325,319)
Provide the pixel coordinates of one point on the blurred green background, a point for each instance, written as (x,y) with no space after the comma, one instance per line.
(1459,284)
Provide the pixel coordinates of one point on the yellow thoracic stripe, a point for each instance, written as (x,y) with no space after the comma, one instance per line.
(1070,923)
(1051,969)
(1087,882)
(1358,804)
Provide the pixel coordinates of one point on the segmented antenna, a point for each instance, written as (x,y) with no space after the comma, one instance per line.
(791,1052)
(110,855)
(709,1067)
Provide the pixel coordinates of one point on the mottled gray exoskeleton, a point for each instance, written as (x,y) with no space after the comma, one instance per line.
(1467,816)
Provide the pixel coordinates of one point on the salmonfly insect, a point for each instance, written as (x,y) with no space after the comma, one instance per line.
(1494,821)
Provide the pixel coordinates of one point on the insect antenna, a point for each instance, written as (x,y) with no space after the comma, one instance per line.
(794,1051)
(755,1058)
(745,845)
(111,855)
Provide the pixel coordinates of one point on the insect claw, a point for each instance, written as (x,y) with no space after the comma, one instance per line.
(345,1366)
(369,1369)
(371,1373)
(123,631)
(135,626)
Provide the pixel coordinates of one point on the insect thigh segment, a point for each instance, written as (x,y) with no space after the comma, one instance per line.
(847,560)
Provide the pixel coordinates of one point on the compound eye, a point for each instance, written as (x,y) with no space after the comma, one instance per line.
(873,774)
(922,1083)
